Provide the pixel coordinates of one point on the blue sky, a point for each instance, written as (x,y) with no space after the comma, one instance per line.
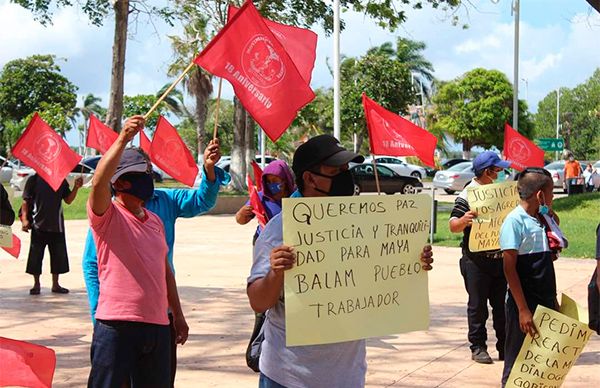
(559,45)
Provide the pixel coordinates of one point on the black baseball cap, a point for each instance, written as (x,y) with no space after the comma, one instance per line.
(322,149)
(133,159)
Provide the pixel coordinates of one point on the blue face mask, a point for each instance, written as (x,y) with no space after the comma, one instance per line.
(544,209)
(275,188)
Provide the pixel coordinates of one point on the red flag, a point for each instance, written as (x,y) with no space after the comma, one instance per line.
(145,142)
(257,207)
(265,79)
(25,364)
(521,151)
(99,136)
(300,44)
(15,250)
(258,172)
(41,148)
(169,152)
(390,134)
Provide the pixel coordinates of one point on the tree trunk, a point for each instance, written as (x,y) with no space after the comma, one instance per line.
(466,149)
(200,113)
(250,135)
(237,168)
(359,141)
(115,103)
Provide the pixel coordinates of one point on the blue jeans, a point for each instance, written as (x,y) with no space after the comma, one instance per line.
(130,351)
(265,382)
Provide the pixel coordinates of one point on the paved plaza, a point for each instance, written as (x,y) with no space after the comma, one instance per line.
(213,258)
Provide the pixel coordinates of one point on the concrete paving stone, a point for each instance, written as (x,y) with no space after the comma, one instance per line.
(213,256)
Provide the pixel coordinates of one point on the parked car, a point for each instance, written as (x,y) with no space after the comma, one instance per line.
(446,165)
(455,178)
(399,166)
(389,180)
(7,170)
(92,162)
(20,176)
(225,161)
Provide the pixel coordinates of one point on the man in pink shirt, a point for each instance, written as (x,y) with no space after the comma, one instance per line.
(131,341)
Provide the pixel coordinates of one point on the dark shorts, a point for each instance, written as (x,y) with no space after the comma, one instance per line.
(59,260)
(130,351)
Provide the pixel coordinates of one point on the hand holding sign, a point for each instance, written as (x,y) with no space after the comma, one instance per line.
(282,259)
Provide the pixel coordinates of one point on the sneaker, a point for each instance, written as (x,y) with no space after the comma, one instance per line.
(481,356)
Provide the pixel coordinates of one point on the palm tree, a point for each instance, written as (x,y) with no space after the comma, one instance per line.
(197,82)
(174,102)
(410,53)
(91,105)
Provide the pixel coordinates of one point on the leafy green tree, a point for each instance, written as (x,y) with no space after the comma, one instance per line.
(27,83)
(34,84)
(579,123)
(140,104)
(383,79)
(474,107)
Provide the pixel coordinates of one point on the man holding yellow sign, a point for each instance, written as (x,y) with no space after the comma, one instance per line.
(321,169)
(481,268)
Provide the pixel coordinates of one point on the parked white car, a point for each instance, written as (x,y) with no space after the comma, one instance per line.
(7,170)
(20,176)
(399,166)
(455,178)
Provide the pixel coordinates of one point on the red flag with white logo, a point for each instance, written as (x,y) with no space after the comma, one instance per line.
(264,77)
(24,364)
(42,149)
(169,152)
(257,206)
(15,250)
(145,142)
(99,136)
(390,134)
(258,172)
(521,151)
(300,44)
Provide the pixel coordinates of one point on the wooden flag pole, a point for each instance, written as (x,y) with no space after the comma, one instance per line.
(217,107)
(169,89)
(376,176)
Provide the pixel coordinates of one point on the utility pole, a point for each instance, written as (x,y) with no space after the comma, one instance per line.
(557,118)
(516,7)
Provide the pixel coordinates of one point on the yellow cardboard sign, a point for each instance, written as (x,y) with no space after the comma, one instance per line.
(545,360)
(6,236)
(358,272)
(492,204)
(572,309)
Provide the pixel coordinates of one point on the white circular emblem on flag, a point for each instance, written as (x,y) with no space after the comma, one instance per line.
(102,140)
(518,150)
(261,63)
(47,147)
(175,151)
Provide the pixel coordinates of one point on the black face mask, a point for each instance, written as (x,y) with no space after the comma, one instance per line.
(342,184)
(142,185)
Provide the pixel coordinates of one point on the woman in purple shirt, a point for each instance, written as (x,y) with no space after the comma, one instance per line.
(277,183)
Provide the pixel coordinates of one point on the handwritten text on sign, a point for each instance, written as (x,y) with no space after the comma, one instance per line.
(358,271)
(492,204)
(545,360)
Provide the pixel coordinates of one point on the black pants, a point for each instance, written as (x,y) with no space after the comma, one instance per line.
(130,351)
(514,337)
(484,281)
(59,260)
(173,350)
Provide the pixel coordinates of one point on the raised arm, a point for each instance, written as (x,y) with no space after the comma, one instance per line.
(100,196)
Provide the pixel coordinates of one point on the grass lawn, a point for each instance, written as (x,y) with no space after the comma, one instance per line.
(579,216)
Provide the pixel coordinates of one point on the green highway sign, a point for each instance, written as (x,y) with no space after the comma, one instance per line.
(550,144)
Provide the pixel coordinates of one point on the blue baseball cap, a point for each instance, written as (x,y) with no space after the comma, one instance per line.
(488,159)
